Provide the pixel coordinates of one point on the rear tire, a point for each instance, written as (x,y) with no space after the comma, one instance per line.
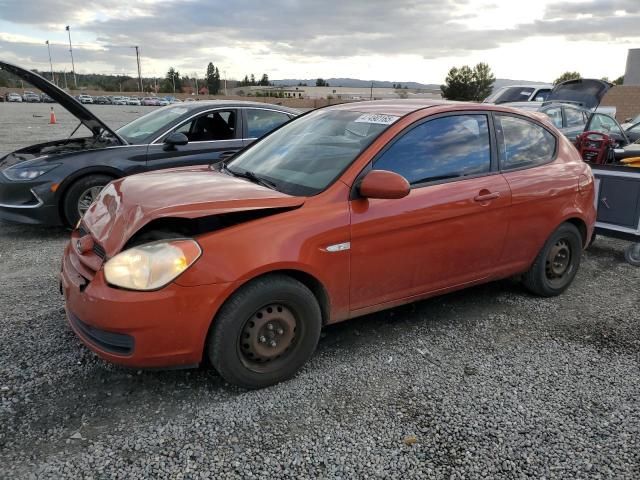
(632,254)
(557,264)
(265,332)
(80,194)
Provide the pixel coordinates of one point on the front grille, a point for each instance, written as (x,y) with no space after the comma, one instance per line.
(88,263)
(99,251)
(117,343)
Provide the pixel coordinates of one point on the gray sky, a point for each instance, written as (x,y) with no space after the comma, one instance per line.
(400,40)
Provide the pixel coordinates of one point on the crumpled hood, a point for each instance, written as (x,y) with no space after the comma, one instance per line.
(128,204)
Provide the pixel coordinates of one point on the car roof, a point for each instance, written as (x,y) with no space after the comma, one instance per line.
(205,104)
(399,107)
(530,85)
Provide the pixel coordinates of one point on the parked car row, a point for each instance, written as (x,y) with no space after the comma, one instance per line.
(128,100)
(31,97)
(27,97)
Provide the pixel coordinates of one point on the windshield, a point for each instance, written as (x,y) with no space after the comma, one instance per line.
(306,155)
(141,128)
(513,94)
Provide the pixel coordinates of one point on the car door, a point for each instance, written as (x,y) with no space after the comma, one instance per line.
(633,132)
(600,122)
(451,227)
(260,121)
(575,121)
(213,136)
(540,187)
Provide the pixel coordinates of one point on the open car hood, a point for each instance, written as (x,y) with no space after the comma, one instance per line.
(586,92)
(128,204)
(87,118)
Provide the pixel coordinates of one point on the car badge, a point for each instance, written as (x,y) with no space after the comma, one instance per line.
(84,244)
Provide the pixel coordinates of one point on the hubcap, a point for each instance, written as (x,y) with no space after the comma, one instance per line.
(558,261)
(268,334)
(87,198)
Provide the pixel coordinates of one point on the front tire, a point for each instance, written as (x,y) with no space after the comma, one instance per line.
(557,264)
(265,332)
(80,195)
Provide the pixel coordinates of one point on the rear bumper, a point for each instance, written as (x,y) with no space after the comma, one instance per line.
(166,328)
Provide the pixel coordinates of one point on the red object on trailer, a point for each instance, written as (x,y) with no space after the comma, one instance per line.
(595,147)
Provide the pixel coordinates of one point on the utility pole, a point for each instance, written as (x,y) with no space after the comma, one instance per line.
(73,67)
(173,79)
(225,82)
(139,70)
(53,80)
(371,95)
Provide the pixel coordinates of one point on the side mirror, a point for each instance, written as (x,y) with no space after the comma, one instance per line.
(174,139)
(383,184)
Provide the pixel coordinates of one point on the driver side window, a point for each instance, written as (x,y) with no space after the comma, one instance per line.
(210,126)
(444,148)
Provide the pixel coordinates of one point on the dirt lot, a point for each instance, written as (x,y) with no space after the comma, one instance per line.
(486,383)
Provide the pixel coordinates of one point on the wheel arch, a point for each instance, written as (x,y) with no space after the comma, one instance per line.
(307,279)
(310,281)
(581,225)
(62,190)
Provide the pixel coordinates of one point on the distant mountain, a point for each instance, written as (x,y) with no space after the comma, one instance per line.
(356,83)
(350,82)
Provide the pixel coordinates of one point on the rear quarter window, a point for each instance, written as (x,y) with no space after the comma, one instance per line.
(523,143)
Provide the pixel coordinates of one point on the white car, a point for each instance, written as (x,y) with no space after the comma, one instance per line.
(133,101)
(120,100)
(163,102)
(13,97)
(520,93)
(85,98)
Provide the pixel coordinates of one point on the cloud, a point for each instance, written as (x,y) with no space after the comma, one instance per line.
(187,33)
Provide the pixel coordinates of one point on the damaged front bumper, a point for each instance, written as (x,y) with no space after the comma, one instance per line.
(28,202)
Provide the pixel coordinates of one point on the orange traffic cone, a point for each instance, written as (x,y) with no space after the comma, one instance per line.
(52,117)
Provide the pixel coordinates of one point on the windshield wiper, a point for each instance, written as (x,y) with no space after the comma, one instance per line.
(251,176)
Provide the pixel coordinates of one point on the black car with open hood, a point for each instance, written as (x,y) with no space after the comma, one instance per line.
(53,183)
(585,92)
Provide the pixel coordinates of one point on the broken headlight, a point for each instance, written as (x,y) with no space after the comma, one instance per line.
(151,266)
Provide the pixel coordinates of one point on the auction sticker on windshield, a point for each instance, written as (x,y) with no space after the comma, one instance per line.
(376,118)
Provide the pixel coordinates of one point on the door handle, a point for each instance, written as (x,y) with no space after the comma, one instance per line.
(485,197)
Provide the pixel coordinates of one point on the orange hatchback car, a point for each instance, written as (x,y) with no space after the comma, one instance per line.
(342,212)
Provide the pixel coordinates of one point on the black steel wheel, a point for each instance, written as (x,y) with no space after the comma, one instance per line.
(556,265)
(265,332)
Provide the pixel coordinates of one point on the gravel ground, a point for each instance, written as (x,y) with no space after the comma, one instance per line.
(490,382)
